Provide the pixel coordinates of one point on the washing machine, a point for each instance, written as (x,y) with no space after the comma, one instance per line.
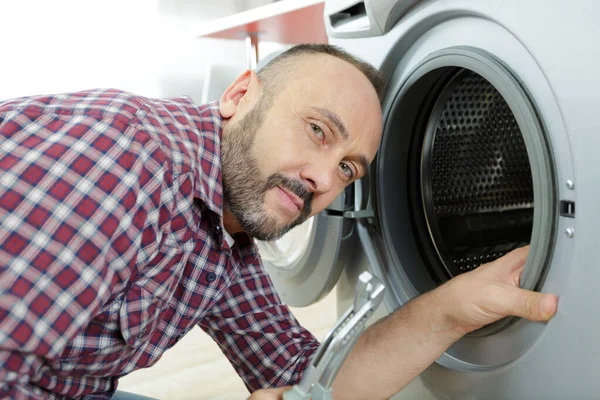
(491,140)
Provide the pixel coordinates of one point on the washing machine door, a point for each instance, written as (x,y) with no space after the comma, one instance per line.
(306,263)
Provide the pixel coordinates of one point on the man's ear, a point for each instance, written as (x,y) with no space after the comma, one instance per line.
(236,92)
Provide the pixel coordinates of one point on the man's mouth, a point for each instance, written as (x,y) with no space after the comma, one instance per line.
(291,198)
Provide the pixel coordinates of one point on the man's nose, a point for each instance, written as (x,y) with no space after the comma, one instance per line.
(318,177)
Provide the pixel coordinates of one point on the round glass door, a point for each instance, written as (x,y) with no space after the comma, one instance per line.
(286,251)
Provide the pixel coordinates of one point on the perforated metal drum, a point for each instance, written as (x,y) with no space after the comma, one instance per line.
(477,190)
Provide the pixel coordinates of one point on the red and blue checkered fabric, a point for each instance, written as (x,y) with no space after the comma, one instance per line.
(112,248)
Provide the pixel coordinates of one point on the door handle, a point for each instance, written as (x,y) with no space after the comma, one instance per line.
(346,15)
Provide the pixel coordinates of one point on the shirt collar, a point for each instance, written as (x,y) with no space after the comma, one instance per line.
(230,240)
(209,184)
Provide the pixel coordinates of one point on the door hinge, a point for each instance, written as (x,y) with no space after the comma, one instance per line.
(359,214)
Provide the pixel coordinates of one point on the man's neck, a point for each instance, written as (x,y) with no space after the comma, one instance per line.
(230,222)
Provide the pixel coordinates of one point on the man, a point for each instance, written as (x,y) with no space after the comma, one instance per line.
(126,221)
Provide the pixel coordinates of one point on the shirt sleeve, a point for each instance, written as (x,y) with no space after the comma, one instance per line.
(258,333)
(76,192)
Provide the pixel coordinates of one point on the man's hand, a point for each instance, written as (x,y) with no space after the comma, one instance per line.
(491,292)
(396,349)
(269,394)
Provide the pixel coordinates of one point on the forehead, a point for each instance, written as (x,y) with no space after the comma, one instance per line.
(329,83)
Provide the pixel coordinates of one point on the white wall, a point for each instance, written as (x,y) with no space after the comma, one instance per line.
(145,46)
(185,57)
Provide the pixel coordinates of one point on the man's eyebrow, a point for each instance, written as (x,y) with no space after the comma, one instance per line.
(337,121)
(362,160)
(334,119)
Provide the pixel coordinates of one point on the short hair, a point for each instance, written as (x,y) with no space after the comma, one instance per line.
(272,73)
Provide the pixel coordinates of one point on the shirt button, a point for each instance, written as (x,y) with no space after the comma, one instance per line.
(218,229)
(211,276)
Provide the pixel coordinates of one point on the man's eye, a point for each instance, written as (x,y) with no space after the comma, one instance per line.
(347,170)
(317,131)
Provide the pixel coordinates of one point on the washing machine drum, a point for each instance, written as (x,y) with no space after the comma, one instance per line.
(464,173)
(475,179)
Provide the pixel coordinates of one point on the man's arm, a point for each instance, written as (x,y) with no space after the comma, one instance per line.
(395,350)
(75,195)
(258,334)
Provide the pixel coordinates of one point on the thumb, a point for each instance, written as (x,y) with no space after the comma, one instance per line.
(532,305)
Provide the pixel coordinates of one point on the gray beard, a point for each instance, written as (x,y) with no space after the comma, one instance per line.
(244,187)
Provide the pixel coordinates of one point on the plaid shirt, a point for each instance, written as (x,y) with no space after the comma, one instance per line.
(112,248)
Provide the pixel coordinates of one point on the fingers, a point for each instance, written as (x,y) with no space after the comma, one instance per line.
(508,267)
(530,305)
(515,260)
(492,292)
(518,257)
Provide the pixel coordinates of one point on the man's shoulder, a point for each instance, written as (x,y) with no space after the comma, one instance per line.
(185,113)
(98,103)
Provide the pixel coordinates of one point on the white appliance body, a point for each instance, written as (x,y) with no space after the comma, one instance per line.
(543,58)
(491,140)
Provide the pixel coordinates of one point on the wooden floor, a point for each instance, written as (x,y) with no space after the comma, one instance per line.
(195,368)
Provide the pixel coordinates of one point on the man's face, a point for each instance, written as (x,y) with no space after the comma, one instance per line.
(286,162)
